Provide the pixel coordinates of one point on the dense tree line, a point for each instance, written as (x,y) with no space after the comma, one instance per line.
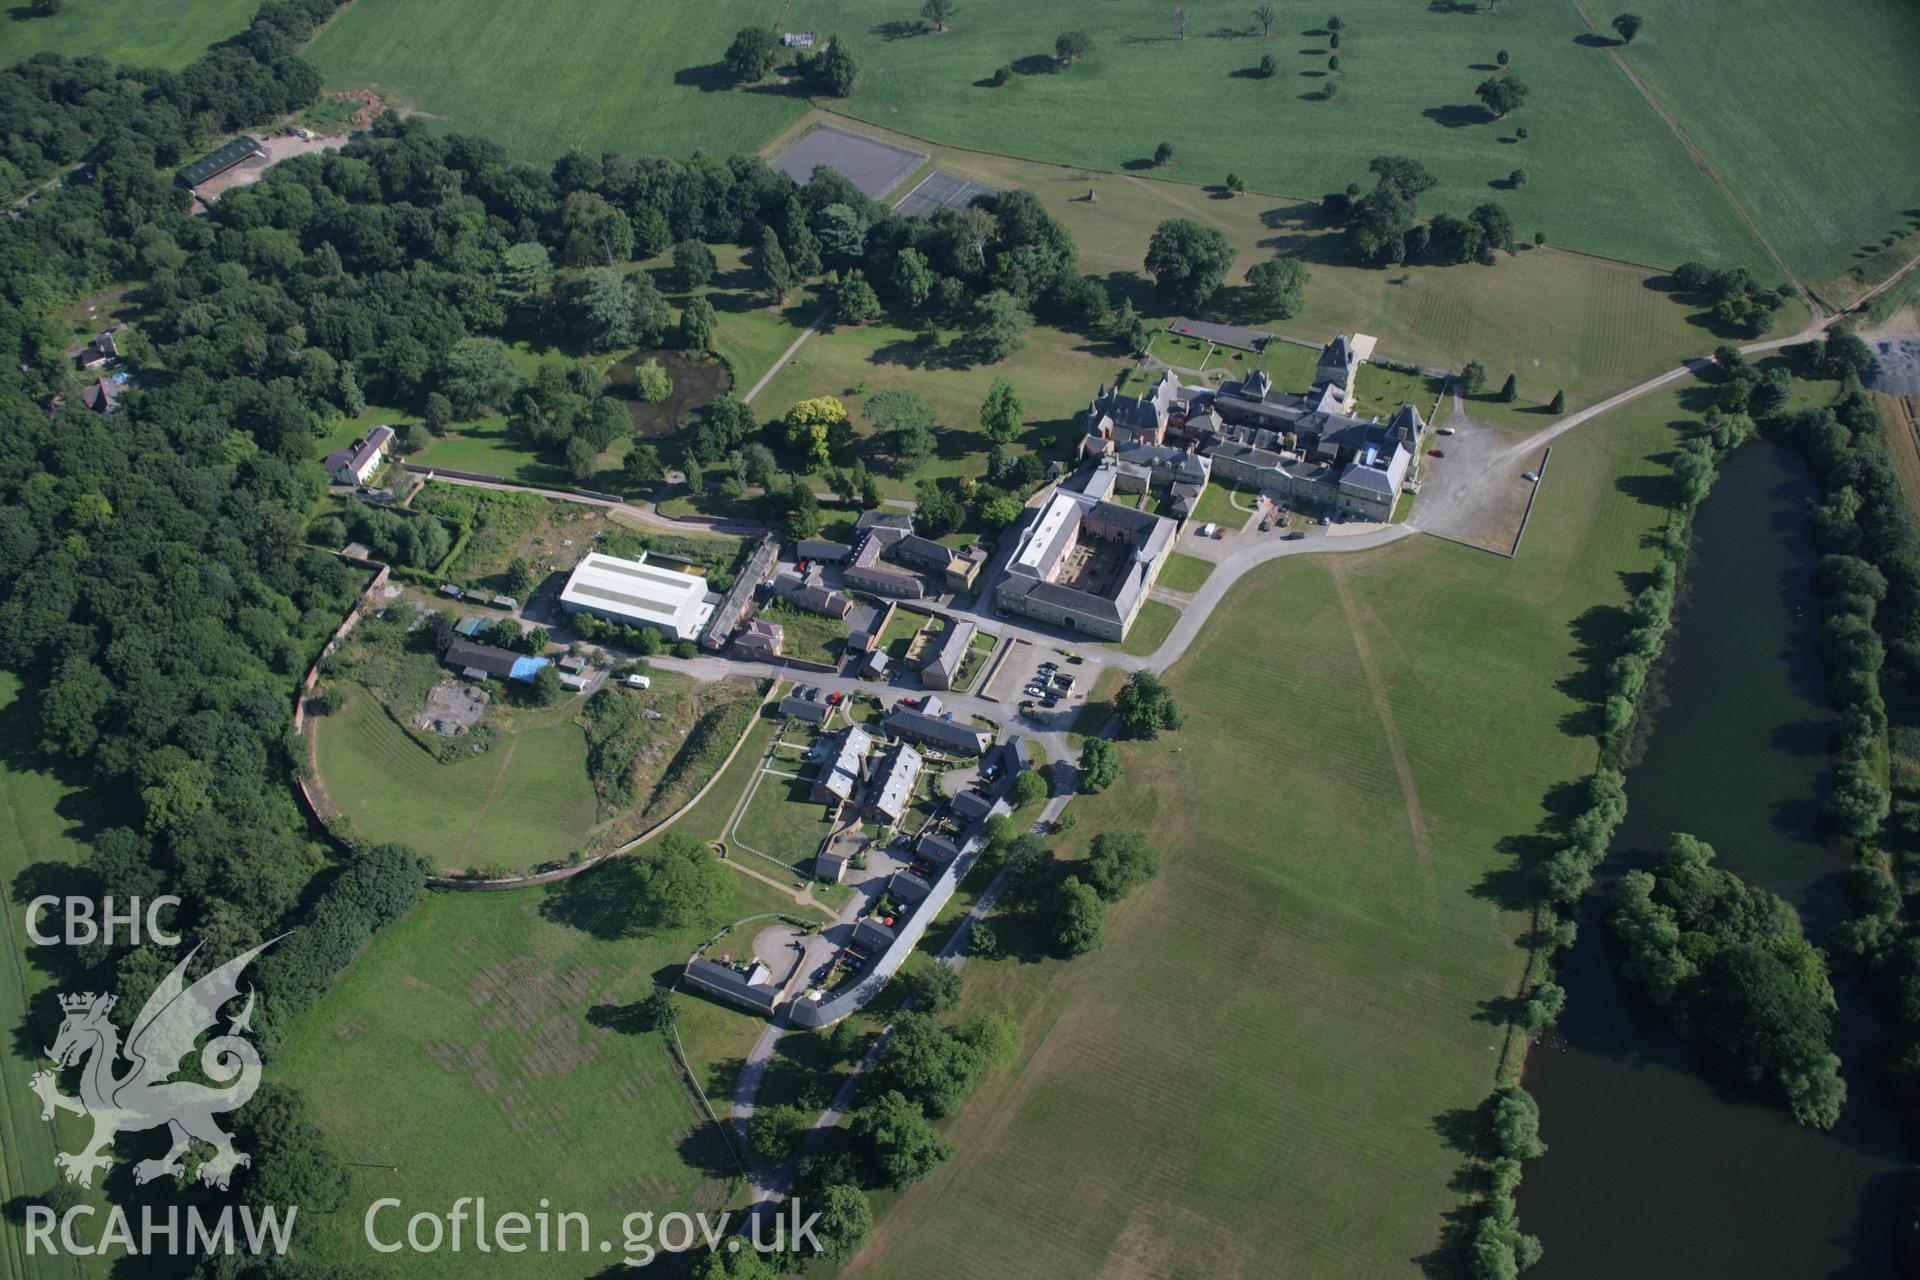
(1868,581)
(1869,584)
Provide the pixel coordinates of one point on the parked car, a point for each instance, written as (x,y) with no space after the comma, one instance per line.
(1296,535)
(1531,476)
(1266,525)
(813,693)
(1436,453)
(835,699)
(802,566)
(910,702)
(1325,521)
(1446,431)
(1051,700)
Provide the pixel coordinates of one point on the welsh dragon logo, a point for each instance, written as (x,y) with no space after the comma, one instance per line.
(146,1096)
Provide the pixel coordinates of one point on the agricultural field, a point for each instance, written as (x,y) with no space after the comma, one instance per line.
(1825,97)
(1607,176)
(494,1023)
(641,78)
(646,80)
(524,801)
(154,35)
(1330,959)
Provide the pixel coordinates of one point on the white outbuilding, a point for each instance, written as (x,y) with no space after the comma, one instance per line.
(635,593)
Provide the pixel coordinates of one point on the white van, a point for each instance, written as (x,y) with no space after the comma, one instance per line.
(639,682)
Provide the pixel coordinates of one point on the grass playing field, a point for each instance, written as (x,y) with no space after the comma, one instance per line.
(151,35)
(1277,1023)
(470,1050)
(525,801)
(1815,132)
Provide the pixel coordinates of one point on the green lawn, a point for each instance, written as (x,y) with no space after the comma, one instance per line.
(1823,98)
(781,822)
(1185,573)
(1407,78)
(1151,628)
(898,634)
(1179,349)
(1289,365)
(41,836)
(1216,506)
(525,801)
(482,1017)
(638,78)
(811,637)
(154,35)
(979,653)
(1277,1022)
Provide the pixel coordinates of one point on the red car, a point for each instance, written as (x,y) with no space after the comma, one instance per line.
(909,702)
(1436,453)
(835,699)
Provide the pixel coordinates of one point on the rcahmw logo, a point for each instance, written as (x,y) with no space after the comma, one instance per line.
(165,1232)
(126,1089)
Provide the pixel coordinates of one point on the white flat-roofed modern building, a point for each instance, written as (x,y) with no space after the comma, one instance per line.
(638,594)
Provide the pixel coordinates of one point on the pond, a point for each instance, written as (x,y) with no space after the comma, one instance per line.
(697,378)
(1661,1164)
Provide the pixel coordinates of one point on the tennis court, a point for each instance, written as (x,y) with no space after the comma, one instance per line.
(873,166)
(940,189)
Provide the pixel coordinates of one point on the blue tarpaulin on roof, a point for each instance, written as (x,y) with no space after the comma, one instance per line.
(526,669)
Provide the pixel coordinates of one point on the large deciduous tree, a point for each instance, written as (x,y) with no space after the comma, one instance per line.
(1146,707)
(751,54)
(1278,287)
(1188,260)
(1502,95)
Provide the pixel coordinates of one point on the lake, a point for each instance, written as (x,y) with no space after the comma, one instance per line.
(1660,1163)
